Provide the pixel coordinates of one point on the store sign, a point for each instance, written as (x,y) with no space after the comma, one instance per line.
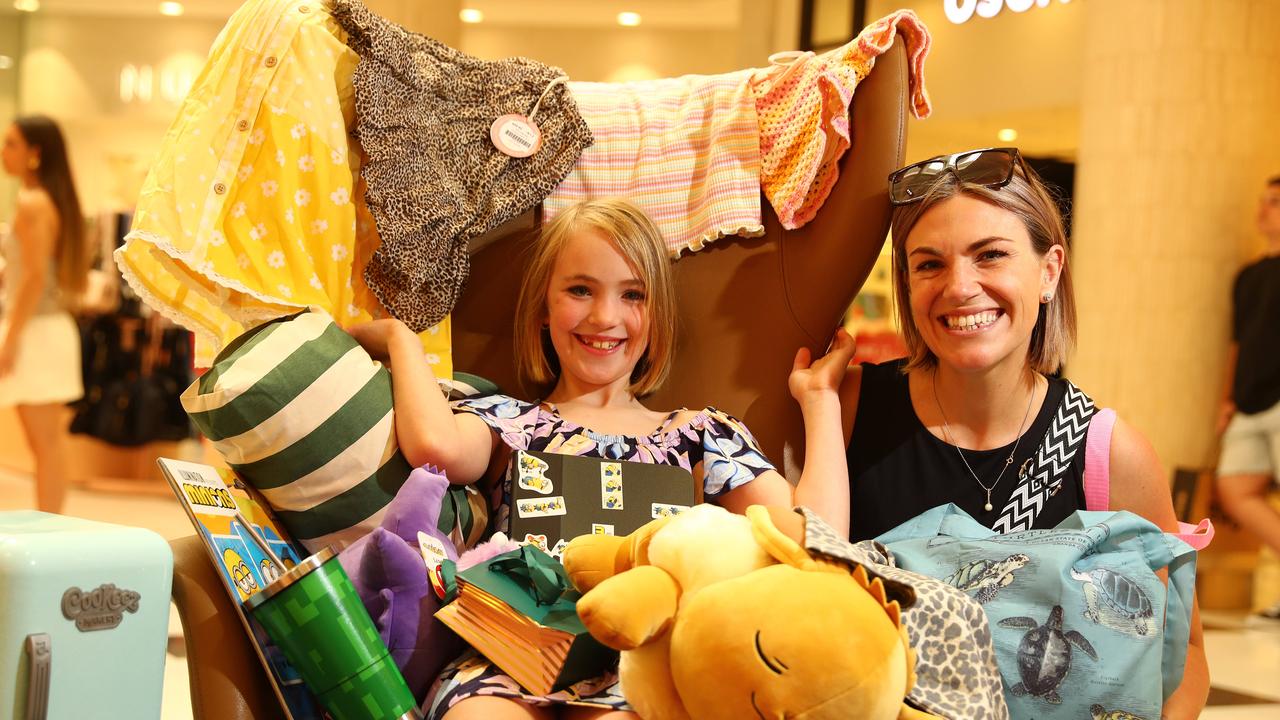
(961,11)
(143,83)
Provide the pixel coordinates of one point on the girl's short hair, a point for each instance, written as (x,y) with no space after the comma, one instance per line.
(639,241)
(1025,196)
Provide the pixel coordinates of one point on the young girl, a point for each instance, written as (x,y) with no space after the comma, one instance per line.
(595,328)
(47,266)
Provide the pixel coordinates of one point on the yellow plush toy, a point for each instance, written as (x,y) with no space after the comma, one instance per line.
(723,616)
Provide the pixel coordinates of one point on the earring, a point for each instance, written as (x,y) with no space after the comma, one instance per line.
(1046,296)
(33,163)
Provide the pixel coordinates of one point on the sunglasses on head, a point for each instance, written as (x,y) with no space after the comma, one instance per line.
(990,167)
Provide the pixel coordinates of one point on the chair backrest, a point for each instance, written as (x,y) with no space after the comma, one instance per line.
(745,304)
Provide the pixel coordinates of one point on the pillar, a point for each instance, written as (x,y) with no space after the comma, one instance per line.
(1179,110)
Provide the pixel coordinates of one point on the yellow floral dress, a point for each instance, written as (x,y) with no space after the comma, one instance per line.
(254,207)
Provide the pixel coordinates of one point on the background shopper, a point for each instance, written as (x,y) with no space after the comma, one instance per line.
(1250,415)
(45,271)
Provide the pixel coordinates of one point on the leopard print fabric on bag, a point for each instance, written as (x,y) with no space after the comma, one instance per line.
(435,179)
(956,673)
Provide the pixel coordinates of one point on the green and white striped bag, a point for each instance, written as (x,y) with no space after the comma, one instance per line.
(302,413)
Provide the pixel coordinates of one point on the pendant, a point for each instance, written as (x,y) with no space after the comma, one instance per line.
(987,507)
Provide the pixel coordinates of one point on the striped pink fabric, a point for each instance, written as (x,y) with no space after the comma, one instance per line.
(686,150)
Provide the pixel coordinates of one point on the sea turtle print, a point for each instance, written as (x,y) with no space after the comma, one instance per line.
(1113,600)
(986,576)
(1044,655)
(1097,712)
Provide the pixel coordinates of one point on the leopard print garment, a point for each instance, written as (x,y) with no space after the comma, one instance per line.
(956,673)
(435,180)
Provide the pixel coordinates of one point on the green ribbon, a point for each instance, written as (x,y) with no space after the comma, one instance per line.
(540,574)
(449,578)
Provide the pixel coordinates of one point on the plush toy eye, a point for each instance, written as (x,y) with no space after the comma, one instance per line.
(777,666)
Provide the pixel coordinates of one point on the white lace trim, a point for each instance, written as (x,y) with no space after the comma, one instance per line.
(245,316)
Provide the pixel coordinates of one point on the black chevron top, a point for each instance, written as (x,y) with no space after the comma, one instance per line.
(898,469)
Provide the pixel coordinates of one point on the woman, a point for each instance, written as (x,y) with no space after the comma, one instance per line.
(984,297)
(46,270)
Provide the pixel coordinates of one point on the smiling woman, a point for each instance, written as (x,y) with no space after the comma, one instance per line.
(983,284)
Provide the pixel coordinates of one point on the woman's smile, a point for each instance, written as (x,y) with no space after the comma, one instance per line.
(969,323)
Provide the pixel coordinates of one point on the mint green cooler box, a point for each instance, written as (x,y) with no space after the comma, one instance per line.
(84,618)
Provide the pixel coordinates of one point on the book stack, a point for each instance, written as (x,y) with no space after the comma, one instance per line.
(540,642)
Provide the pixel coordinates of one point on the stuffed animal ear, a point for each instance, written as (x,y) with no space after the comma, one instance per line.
(774,540)
(590,559)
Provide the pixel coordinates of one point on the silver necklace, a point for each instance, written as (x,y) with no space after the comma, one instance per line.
(946,432)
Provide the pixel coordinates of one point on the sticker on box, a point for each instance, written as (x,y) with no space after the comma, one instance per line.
(540,507)
(538,541)
(532,473)
(611,486)
(557,552)
(601,529)
(661,510)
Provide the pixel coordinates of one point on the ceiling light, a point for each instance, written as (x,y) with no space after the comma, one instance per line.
(26,5)
(470,15)
(628,19)
(172,9)
(1007,135)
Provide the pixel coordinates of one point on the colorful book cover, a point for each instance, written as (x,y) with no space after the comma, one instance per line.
(211,497)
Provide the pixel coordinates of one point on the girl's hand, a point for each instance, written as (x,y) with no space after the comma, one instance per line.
(375,336)
(823,375)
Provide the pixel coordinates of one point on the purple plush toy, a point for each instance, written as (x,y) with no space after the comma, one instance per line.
(390,576)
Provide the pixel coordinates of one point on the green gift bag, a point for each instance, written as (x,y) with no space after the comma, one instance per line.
(520,610)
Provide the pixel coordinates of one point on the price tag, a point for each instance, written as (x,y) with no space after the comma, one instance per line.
(433,553)
(515,135)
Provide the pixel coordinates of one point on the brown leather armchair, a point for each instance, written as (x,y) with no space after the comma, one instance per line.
(745,306)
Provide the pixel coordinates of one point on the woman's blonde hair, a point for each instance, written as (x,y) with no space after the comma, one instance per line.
(639,241)
(1026,197)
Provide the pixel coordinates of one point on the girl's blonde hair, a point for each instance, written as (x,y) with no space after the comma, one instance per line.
(639,241)
(1026,197)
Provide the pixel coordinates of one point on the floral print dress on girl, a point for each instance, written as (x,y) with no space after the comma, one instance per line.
(717,441)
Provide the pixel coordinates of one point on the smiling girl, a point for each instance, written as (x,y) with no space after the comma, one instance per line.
(595,330)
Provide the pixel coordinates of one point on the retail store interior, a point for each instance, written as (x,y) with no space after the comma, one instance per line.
(1154,119)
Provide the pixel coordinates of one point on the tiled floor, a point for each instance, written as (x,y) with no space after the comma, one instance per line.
(1244,666)
(1244,662)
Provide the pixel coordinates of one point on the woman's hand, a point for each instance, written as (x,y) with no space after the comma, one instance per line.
(812,379)
(375,336)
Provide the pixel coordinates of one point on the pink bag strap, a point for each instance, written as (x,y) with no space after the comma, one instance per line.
(1197,536)
(1097,478)
(1097,460)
